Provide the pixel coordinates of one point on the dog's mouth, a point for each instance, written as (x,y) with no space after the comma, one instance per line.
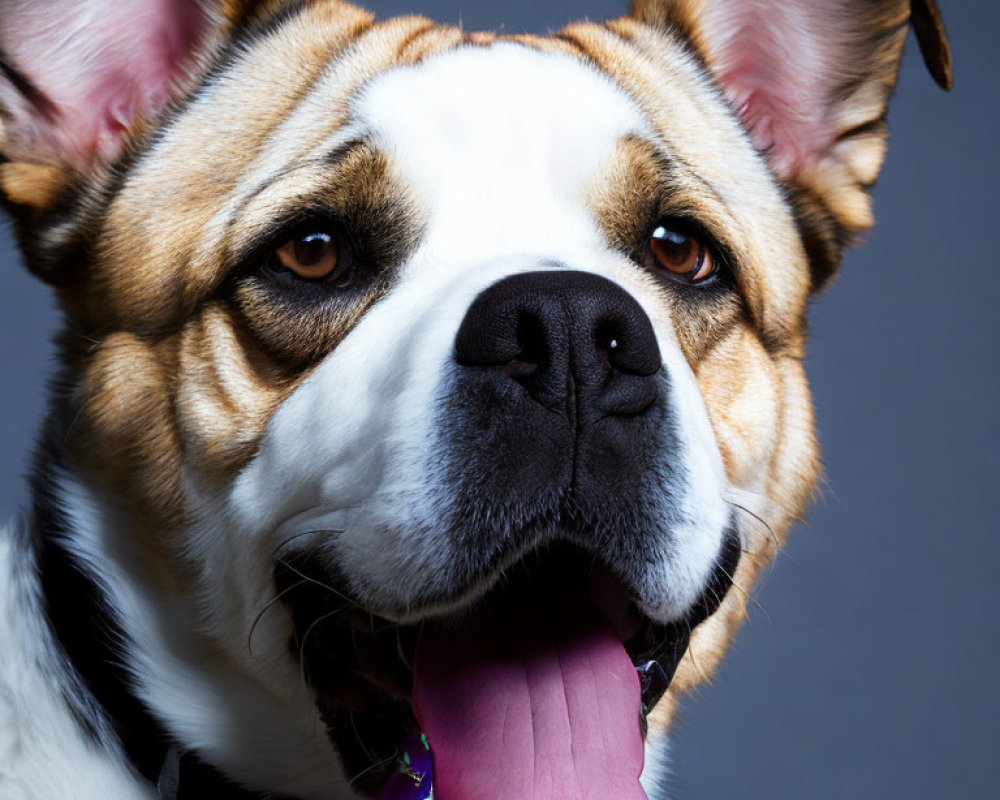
(547,680)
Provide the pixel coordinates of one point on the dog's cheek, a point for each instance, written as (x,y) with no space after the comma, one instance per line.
(124,431)
(761,412)
(738,381)
(227,392)
(795,465)
(195,403)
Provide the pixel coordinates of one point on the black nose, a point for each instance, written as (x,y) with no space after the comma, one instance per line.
(573,340)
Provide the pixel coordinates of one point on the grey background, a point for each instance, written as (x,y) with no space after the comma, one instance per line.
(873,672)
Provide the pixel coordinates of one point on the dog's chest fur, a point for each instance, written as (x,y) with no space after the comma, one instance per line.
(44,752)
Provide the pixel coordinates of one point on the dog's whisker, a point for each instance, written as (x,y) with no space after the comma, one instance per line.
(357,736)
(748,595)
(767,526)
(319,583)
(691,653)
(739,494)
(401,650)
(263,611)
(305,638)
(371,768)
(290,539)
(788,511)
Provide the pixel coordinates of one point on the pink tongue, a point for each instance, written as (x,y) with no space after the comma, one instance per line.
(515,704)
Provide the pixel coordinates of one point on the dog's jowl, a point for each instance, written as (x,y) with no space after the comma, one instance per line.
(418,388)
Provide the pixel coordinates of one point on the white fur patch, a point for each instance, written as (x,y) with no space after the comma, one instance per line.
(656,767)
(254,719)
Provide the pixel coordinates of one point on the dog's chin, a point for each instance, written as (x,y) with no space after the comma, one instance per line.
(362,666)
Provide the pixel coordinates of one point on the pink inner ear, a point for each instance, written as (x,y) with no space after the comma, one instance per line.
(103,64)
(778,62)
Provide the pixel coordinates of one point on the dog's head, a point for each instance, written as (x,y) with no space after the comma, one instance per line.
(395,348)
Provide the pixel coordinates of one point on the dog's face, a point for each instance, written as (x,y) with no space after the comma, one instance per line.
(384,328)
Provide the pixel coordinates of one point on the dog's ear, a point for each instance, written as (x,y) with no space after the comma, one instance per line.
(77,77)
(812,80)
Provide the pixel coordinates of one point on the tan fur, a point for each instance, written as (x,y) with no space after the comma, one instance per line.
(34,186)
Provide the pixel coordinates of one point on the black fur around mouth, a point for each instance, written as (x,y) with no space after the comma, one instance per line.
(360,665)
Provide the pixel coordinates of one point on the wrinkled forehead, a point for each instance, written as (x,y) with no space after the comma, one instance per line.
(518,150)
(501,144)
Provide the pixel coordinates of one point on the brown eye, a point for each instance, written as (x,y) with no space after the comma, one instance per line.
(684,256)
(312,256)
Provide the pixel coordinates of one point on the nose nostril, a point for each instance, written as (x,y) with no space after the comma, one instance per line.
(531,340)
(531,353)
(625,342)
(605,344)
(612,344)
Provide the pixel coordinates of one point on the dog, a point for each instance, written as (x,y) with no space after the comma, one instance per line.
(417,388)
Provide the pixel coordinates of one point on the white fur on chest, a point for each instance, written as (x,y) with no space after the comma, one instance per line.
(44,753)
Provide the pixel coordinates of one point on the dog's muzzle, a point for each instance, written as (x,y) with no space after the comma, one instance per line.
(557,417)
(560,483)
(559,371)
